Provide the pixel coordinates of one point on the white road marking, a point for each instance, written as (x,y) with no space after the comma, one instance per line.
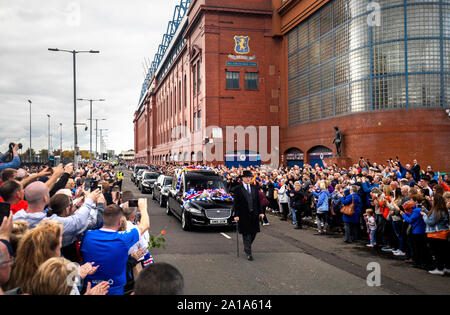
(226,236)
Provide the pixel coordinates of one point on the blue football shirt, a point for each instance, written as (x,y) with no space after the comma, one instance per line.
(109,249)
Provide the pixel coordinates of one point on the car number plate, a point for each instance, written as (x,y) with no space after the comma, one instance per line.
(219,221)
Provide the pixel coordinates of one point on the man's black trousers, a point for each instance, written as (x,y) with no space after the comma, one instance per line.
(248,241)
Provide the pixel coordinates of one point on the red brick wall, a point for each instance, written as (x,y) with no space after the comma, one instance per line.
(421,134)
(141,137)
(212,32)
(241,107)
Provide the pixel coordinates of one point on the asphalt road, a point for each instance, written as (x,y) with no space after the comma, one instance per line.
(287,261)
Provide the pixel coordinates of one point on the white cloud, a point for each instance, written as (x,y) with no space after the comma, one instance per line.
(125,32)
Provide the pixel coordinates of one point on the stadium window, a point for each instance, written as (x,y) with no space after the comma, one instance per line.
(198,77)
(232,80)
(194,87)
(251,80)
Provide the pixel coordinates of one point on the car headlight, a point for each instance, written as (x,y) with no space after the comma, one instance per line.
(145,184)
(192,209)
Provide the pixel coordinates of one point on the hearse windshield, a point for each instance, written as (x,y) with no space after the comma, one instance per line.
(200,182)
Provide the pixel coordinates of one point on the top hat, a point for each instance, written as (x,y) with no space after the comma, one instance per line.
(247,174)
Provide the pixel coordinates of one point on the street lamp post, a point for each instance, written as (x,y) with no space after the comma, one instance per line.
(48,136)
(90,101)
(30,132)
(60,143)
(96,140)
(101,136)
(74,52)
(85,128)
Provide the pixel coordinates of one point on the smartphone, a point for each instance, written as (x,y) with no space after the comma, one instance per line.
(94,185)
(87,184)
(133,203)
(5,209)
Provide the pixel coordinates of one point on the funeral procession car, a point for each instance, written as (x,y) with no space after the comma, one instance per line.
(161,189)
(147,181)
(198,197)
(136,169)
(139,177)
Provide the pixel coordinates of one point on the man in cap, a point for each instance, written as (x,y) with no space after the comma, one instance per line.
(247,211)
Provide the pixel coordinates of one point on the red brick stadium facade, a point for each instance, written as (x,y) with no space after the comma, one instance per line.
(193,91)
(184,93)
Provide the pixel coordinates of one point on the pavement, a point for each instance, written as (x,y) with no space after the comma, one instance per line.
(287,261)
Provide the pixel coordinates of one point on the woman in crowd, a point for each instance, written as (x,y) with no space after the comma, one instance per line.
(351,223)
(38,245)
(19,230)
(58,276)
(273,203)
(417,234)
(322,208)
(283,198)
(447,199)
(381,221)
(71,186)
(383,200)
(397,222)
(336,206)
(437,229)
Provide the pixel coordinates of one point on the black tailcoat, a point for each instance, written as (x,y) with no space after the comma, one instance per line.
(248,221)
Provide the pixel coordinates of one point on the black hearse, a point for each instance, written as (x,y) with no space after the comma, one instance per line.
(198,213)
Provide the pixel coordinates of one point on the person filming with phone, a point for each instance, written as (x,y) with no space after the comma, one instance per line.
(109,248)
(38,197)
(11,158)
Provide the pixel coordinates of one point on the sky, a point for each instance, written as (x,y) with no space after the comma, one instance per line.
(125,33)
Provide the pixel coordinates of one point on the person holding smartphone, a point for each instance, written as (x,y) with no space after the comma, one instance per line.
(109,248)
(38,197)
(15,163)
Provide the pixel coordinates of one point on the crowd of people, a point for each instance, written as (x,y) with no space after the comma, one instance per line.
(74,231)
(401,209)
(69,231)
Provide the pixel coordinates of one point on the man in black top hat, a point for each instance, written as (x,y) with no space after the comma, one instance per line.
(247,211)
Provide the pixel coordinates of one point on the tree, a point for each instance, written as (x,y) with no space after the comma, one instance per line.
(27,153)
(44,154)
(85,155)
(68,155)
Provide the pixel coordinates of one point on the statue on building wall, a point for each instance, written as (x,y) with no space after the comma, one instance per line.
(338,140)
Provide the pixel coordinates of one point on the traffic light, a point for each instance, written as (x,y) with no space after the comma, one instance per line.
(105,156)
